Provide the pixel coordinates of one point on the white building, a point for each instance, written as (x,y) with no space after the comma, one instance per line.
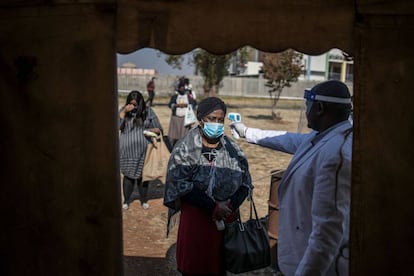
(331,65)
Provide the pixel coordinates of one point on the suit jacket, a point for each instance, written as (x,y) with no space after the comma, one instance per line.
(314,199)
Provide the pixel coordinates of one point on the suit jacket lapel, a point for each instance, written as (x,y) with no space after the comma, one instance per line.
(297,159)
(307,152)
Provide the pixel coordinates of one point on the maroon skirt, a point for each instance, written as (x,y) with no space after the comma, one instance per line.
(199,248)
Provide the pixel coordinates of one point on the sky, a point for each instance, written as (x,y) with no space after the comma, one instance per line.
(147,58)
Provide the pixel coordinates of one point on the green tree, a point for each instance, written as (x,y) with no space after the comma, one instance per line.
(281,70)
(213,68)
(175,61)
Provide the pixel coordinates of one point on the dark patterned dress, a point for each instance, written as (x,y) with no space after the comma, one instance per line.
(198,177)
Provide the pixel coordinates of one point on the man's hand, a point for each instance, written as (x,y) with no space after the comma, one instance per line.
(240,128)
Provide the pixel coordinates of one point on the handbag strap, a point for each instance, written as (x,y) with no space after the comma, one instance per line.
(256,218)
(254,208)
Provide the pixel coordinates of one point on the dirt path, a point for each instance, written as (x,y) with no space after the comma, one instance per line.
(147,251)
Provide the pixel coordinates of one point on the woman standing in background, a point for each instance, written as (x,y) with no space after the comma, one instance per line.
(135,118)
(151,91)
(178,104)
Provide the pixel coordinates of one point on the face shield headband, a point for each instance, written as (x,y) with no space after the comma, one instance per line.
(312,96)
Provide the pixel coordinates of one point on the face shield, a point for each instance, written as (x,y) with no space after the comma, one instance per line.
(312,96)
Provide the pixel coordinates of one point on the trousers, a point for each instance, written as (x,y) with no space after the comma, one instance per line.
(128,188)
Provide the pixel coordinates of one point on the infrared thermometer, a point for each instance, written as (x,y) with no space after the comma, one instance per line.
(234,118)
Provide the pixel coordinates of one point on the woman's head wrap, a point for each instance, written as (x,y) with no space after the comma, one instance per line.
(209,105)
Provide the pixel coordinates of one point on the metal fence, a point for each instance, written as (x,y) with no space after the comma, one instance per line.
(230,86)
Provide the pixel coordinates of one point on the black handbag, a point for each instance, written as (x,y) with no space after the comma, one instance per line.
(246,244)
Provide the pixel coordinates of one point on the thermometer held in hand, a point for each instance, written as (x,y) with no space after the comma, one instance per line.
(234,118)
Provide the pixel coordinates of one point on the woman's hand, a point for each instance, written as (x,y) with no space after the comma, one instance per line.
(181,105)
(127,108)
(155,130)
(222,210)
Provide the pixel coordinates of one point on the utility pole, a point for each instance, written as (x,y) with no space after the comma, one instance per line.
(308,68)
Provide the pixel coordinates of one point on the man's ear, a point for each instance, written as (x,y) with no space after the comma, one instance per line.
(320,108)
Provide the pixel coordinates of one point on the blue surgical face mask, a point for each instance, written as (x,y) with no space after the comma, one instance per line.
(213,130)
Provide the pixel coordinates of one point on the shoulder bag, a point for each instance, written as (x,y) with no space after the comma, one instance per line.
(189,117)
(156,160)
(246,244)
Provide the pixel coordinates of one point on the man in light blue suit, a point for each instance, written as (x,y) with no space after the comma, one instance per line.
(314,193)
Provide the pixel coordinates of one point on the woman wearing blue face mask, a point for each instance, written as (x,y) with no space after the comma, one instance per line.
(208,179)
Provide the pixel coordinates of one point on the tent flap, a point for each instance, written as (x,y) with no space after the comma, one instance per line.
(177,27)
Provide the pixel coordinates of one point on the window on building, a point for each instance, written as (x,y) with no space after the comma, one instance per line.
(349,72)
(334,71)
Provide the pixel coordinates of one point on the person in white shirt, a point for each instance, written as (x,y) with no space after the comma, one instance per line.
(314,193)
(179,103)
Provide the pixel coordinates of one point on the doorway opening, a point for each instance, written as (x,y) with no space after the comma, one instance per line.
(245,90)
